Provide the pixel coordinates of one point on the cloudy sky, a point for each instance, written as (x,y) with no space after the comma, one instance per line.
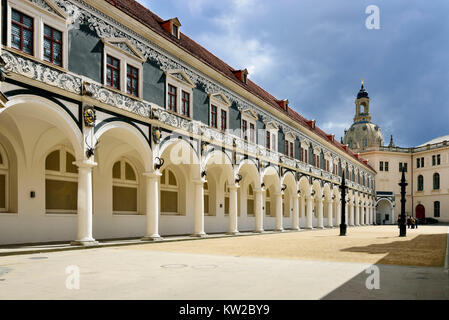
(315,52)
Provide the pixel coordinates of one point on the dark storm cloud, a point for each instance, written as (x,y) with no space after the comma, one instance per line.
(315,52)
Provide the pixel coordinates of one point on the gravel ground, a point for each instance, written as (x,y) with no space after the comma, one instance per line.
(425,246)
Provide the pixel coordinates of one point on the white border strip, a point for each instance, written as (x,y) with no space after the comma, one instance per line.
(446,263)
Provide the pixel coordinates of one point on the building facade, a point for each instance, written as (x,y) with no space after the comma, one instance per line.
(115,124)
(426,169)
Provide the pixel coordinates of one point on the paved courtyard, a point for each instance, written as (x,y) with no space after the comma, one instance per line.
(314,264)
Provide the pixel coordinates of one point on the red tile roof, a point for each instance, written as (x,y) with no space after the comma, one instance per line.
(152,21)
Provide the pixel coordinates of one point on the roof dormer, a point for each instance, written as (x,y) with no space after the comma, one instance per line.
(311,123)
(172,26)
(242,75)
(283,104)
(331,137)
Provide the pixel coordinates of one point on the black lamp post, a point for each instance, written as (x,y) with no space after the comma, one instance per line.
(343,188)
(402,227)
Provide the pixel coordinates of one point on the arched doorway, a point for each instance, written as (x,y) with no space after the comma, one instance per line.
(420,211)
(385,212)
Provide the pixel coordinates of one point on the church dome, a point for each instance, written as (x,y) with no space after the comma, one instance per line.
(363,136)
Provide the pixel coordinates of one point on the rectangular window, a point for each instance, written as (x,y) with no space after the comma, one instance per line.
(273,142)
(172,98)
(418,163)
(185,104)
(286,148)
(292,150)
(213,116)
(306,158)
(223,120)
(381,166)
(132,80)
(434,160)
(422,162)
(244,130)
(438,159)
(436,209)
(252,133)
(22,32)
(386,165)
(268,138)
(113,72)
(52,45)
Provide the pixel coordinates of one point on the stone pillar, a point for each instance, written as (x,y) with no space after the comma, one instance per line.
(309,213)
(152,208)
(278,197)
(258,199)
(338,213)
(362,215)
(357,214)
(295,218)
(199,209)
(84,212)
(320,213)
(375,213)
(351,216)
(233,223)
(329,209)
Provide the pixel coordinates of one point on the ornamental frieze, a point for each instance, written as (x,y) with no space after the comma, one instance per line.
(40,72)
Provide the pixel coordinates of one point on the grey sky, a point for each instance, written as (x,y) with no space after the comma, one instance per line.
(314,53)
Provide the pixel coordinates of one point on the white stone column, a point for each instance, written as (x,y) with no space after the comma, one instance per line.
(258,198)
(295,217)
(362,215)
(84,211)
(152,207)
(233,223)
(329,209)
(375,213)
(278,197)
(309,213)
(338,213)
(320,213)
(199,209)
(351,216)
(357,214)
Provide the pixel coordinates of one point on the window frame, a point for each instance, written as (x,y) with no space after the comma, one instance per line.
(134,59)
(436,179)
(165,186)
(250,117)
(4,170)
(57,20)
(179,79)
(437,213)
(123,182)
(273,129)
(61,175)
(52,40)
(221,103)
(132,77)
(114,69)
(420,184)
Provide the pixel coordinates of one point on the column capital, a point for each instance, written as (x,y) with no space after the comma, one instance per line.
(258,190)
(233,187)
(199,182)
(85,164)
(152,174)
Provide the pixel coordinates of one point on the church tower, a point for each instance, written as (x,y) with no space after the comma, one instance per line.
(363,134)
(362,101)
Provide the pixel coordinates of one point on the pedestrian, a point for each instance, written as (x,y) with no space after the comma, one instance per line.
(416,223)
(408,222)
(412,221)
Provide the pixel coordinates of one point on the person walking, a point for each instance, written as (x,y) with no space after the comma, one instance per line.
(416,223)
(408,222)
(412,222)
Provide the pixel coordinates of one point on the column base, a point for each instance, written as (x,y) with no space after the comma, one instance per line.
(259,231)
(296,229)
(152,238)
(309,228)
(84,243)
(199,235)
(233,233)
(279,230)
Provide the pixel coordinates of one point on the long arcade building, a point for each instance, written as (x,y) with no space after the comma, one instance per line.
(115,124)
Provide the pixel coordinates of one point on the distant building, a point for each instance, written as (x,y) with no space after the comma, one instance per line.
(426,166)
